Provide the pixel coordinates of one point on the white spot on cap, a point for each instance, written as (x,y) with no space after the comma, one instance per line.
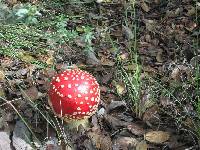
(55,90)
(83,113)
(92,99)
(82,77)
(78,108)
(53,86)
(61,95)
(58,79)
(79,95)
(95,106)
(75,113)
(86,92)
(79,112)
(69,85)
(69,96)
(81,102)
(53,78)
(76,84)
(88,103)
(66,78)
(97,99)
(90,106)
(62,74)
(77,76)
(91,91)
(86,98)
(73,78)
(62,86)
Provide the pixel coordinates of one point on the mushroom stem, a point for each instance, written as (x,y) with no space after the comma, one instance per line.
(75,123)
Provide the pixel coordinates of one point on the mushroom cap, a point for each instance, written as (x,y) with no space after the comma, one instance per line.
(74,94)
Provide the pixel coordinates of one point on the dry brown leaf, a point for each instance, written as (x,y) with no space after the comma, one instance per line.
(151,114)
(107,62)
(50,60)
(157,137)
(131,67)
(101,141)
(135,129)
(127,32)
(26,57)
(91,58)
(114,122)
(2,92)
(2,75)
(31,93)
(159,56)
(142,145)
(116,105)
(125,143)
(190,10)
(150,24)
(144,6)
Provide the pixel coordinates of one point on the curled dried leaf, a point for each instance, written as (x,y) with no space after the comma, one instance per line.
(157,137)
(2,75)
(135,129)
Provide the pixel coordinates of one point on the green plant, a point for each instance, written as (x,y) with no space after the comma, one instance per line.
(21,13)
(87,37)
(26,13)
(132,78)
(62,34)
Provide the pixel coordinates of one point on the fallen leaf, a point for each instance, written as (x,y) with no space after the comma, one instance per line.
(21,136)
(159,56)
(150,25)
(195,61)
(2,92)
(107,62)
(100,140)
(135,129)
(119,105)
(31,93)
(5,141)
(144,6)
(114,122)
(2,75)
(151,114)
(91,58)
(50,60)
(26,57)
(127,32)
(142,145)
(157,137)
(131,67)
(120,87)
(191,10)
(125,143)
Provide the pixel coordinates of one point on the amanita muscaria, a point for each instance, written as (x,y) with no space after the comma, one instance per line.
(74,95)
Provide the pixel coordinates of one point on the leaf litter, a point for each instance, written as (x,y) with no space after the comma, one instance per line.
(166,38)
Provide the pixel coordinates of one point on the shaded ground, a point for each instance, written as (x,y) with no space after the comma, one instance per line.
(145,56)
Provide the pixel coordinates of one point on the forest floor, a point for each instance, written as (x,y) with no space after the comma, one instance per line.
(144,54)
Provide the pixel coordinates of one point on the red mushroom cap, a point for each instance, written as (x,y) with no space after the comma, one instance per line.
(74,94)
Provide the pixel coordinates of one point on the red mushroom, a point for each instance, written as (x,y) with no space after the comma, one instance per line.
(74,95)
